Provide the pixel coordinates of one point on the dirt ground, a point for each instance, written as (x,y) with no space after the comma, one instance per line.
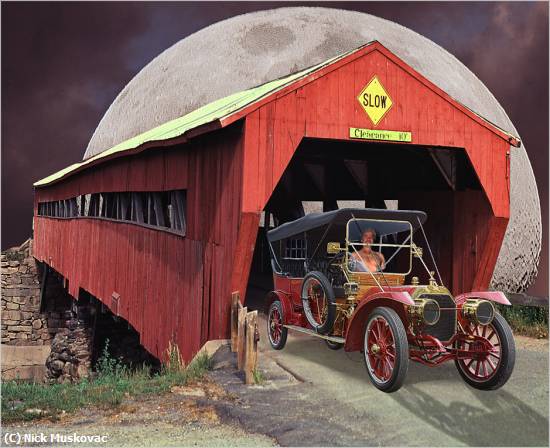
(184,417)
(298,404)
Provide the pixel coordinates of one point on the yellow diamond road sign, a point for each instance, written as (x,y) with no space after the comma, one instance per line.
(375,100)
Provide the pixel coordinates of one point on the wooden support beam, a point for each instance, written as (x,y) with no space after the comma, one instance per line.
(359,172)
(251,352)
(45,272)
(235,306)
(241,338)
(445,162)
(316,173)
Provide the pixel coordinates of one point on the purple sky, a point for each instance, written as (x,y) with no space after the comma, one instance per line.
(64,63)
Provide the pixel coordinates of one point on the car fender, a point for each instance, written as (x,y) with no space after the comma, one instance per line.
(493,296)
(356,327)
(284,298)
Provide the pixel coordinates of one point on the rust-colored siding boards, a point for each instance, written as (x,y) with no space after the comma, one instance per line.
(170,287)
(328,107)
(174,288)
(282,122)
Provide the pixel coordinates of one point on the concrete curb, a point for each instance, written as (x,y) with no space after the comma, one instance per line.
(211,347)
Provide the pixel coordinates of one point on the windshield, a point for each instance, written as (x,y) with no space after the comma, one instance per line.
(379,246)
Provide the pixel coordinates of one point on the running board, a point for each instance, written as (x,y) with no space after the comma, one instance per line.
(313,333)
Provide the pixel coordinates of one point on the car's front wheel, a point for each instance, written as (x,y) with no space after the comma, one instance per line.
(386,349)
(488,370)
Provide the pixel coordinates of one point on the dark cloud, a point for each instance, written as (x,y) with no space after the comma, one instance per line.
(64,63)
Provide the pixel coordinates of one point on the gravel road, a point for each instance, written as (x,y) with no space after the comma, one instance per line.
(184,417)
(314,396)
(332,402)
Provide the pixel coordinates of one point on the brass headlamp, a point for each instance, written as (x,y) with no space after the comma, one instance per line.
(478,311)
(425,310)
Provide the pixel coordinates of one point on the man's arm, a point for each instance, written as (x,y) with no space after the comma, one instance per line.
(382,260)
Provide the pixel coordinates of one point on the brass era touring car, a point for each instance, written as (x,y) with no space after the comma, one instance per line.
(348,276)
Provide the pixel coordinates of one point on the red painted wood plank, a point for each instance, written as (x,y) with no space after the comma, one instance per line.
(252,197)
(269,174)
(364,53)
(222,177)
(491,248)
(346,96)
(243,251)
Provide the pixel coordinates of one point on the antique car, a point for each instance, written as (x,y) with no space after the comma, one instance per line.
(352,278)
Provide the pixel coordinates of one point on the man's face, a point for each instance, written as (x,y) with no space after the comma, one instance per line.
(368,238)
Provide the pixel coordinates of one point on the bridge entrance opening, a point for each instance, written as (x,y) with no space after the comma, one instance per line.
(325,175)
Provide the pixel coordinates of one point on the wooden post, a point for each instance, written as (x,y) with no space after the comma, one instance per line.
(235,306)
(251,353)
(241,338)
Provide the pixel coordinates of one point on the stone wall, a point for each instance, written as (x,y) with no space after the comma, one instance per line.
(26,330)
(22,321)
(60,339)
(70,358)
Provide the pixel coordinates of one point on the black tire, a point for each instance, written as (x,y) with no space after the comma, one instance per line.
(400,350)
(334,345)
(277,339)
(319,281)
(504,368)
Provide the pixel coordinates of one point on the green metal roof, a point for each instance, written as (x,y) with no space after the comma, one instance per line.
(217,110)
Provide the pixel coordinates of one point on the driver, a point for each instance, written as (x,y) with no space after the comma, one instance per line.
(366,259)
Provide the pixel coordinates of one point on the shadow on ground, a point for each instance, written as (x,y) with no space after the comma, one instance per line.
(434,405)
(476,425)
(473,417)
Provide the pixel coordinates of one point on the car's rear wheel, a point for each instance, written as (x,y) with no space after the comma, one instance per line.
(318,302)
(334,345)
(276,332)
(386,349)
(488,370)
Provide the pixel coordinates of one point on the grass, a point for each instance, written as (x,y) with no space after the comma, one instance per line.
(112,383)
(259,377)
(526,320)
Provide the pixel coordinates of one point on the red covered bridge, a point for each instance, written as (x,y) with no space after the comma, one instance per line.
(162,227)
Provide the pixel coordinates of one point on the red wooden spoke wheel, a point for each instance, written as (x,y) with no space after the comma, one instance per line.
(386,349)
(490,364)
(318,302)
(483,364)
(381,349)
(276,332)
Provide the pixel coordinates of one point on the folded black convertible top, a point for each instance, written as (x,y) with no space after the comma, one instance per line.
(342,216)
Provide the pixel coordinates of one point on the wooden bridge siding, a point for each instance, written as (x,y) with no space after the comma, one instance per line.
(439,205)
(328,107)
(171,287)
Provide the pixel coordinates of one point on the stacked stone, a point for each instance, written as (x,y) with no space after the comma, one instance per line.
(70,357)
(22,323)
(65,324)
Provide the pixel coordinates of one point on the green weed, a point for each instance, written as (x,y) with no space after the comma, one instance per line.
(107,388)
(259,377)
(526,320)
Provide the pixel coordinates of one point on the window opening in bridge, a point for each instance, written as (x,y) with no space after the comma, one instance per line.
(95,203)
(158,209)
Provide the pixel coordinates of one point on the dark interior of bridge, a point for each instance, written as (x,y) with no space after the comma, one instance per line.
(376,175)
